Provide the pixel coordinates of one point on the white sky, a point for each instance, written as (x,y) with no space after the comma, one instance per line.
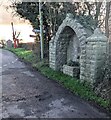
(20,25)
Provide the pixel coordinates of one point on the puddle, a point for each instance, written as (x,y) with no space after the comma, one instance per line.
(32,117)
(5,114)
(0,109)
(28,73)
(57,103)
(58,109)
(13,110)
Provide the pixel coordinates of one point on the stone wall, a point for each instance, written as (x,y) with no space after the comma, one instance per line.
(104,87)
(96,51)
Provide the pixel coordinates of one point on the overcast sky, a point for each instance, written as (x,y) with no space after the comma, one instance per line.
(6,16)
(19,25)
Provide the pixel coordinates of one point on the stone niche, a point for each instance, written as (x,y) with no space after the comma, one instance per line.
(73,49)
(72,67)
(69,52)
(66,49)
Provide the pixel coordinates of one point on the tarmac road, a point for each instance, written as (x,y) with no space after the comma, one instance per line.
(28,94)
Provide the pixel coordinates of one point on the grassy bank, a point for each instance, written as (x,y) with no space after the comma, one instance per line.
(74,85)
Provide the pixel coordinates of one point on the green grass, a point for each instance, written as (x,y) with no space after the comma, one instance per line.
(74,85)
(27,55)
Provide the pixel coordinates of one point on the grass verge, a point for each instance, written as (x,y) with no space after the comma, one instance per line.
(74,85)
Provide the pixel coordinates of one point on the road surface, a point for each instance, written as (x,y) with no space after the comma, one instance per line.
(28,94)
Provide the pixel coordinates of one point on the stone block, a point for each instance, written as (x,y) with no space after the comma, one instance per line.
(71,71)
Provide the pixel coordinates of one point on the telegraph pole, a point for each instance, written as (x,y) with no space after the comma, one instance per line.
(41,31)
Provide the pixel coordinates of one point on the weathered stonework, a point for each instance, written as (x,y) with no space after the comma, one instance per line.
(104,87)
(72,42)
(59,45)
(96,50)
(72,71)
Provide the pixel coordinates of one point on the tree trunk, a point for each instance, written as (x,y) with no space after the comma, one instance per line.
(107,18)
(98,7)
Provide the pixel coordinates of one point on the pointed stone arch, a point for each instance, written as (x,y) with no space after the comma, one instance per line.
(58,45)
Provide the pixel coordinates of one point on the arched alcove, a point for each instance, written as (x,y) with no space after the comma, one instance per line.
(60,46)
(68,48)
